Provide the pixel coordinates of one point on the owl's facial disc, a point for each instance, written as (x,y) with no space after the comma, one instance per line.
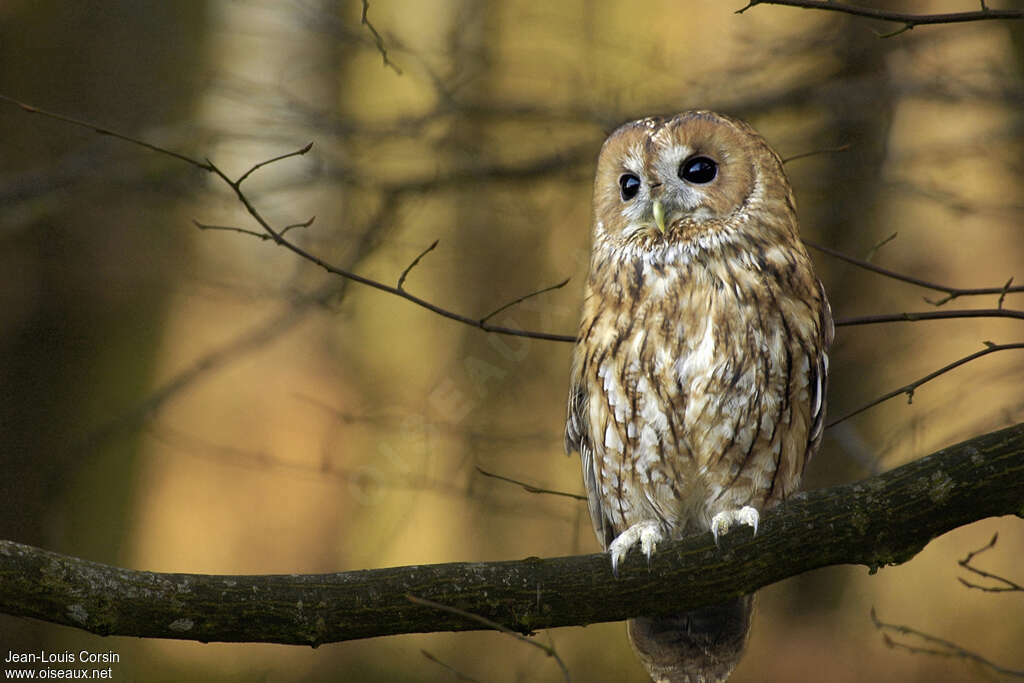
(689,180)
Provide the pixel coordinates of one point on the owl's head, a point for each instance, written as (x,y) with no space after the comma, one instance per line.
(667,180)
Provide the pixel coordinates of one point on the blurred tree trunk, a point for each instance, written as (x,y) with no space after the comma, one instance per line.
(84,288)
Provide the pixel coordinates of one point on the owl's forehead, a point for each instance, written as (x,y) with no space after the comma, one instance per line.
(657,143)
(648,140)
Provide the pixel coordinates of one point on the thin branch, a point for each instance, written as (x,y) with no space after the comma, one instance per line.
(105,131)
(301,224)
(909,389)
(529,488)
(875,248)
(945,649)
(231,228)
(547,649)
(880,521)
(278,239)
(908,20)
(255,167)
(378,39)
(277,236)
(918,316)
(816,152)
(950,292)
(451,669)
(523,298)
(415,262)
(1008,587)
(1006,289)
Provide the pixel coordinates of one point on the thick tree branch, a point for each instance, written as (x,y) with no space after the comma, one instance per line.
(883,520)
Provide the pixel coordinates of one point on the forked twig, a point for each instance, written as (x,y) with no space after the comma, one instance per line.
(945,648)
(950,292)
(378,39)
(1008,587)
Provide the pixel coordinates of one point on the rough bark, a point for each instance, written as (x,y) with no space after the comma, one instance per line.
(883,520)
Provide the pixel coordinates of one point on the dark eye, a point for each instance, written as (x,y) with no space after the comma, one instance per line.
(629,185)
(698,170)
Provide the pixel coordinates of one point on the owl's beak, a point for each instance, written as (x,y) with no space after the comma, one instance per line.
(659,215)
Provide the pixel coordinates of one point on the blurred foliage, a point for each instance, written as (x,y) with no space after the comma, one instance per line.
(195,401)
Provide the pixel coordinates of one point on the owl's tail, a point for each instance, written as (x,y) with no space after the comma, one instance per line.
(700,646)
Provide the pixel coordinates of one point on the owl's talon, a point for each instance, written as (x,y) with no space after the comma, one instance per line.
(648,533)
(723,521)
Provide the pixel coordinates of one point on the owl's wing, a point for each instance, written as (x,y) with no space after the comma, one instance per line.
(818,380)
(577,439)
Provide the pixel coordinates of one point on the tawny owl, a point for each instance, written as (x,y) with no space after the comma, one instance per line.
(698,380)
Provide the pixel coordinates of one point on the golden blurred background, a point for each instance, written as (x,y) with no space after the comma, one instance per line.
(201,401)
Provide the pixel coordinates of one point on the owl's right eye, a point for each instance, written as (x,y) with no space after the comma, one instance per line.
(629,186)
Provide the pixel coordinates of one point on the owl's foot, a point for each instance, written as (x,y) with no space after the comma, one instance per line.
(723,521)
(647,532)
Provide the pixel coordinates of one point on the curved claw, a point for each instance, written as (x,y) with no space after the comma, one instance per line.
(648,533)
(723,521)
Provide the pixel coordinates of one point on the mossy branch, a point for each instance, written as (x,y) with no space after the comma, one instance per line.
(883,520)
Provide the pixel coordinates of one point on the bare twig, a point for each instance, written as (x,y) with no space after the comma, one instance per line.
(523,298)
(547,649)
(909,389)
(451,669)
(104,131)
(378,39)
(253,233)
(231,228)
(950,292)
(277,236)
(1008,587)
(1006,289)
(278,239)
(415,262)
(908,20)
(255,167)
(528,487)
(875,248)
(816,152)
(945,648)
(918,316)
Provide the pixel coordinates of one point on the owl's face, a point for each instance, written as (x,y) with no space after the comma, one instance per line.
(670,180)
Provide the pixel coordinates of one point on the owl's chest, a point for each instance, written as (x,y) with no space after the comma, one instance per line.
(672,369)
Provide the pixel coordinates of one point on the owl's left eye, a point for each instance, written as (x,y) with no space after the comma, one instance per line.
(629,186)
(698,170)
